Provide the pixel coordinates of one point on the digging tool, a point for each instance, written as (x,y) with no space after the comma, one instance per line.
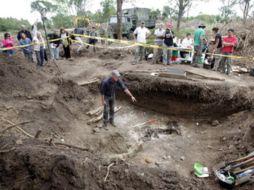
(245,176)
(243,170)
(243,158)
(230,167)
(232,164)
(228,178)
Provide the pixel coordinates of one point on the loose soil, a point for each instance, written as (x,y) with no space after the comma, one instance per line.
(194,120)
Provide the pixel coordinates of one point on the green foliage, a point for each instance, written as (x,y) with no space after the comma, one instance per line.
(80,6)
(40,5)
(61,20)
(227,12)
(206,19)
(168,12)
(108,9)
(182,33)
(97,17)
(12,24)
(155,14)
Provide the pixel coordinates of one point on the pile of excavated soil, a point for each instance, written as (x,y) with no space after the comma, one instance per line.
(32,164)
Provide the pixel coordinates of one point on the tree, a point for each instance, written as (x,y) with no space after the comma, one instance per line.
(182,6)
(155,14)
(246,6)
(80,6)
(119,12)
(61,20)
(168,12)
(226,10)
(12,24)
(39,5)
(108,9)
(119,18)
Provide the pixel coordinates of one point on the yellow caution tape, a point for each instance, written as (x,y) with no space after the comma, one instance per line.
(131,44)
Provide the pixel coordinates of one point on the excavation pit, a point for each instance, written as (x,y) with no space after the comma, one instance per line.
(174,124)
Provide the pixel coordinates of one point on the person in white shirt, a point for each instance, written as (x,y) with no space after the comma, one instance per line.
(186,43)
(159,37)
(140,35)
(39,48)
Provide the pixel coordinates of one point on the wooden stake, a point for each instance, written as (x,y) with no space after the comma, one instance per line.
(13,125)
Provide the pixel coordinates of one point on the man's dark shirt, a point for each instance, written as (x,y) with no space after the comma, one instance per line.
(218,37)
(79,31)
(109,86)
(26,32)
(169,38)
(54,36)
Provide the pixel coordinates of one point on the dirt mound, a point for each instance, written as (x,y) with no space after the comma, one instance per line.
(113,54)
(15,77)
(188,98)
(35,165)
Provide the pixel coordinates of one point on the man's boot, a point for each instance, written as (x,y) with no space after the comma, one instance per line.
(103,126)
(112,123)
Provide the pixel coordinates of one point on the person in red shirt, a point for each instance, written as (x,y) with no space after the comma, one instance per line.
(8,42)
(228,45)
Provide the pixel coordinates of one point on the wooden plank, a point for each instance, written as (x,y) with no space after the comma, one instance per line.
(204,77)
(83,83)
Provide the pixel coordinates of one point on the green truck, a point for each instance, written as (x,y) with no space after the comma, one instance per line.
(131,18)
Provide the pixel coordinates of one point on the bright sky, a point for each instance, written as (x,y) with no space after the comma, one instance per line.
(21,8)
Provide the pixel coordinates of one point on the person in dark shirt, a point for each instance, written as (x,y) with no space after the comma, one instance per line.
(108,88)
(26,32)
(54,42)
(168,43)
(216,47)
(92,41)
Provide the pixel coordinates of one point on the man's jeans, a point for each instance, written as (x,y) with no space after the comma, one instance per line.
(217,60)
(54,53)
(140,50)
(157,52)
(197,57)
(29,56)
(225,64)
(167,54)
(40,56)
(108,114)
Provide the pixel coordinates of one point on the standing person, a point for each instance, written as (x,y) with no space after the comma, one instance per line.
(103,33)
(216,49)
(199,36)
(39,48)
(66,41)
(168,43)
(92,41)
(108,89)
(186,43)
(8,42)
(79,32)
(26,32)
(27,50)
(54,43)
(159,36)
(140,35)
(228,45)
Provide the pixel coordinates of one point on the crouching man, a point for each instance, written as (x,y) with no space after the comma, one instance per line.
(108,88)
